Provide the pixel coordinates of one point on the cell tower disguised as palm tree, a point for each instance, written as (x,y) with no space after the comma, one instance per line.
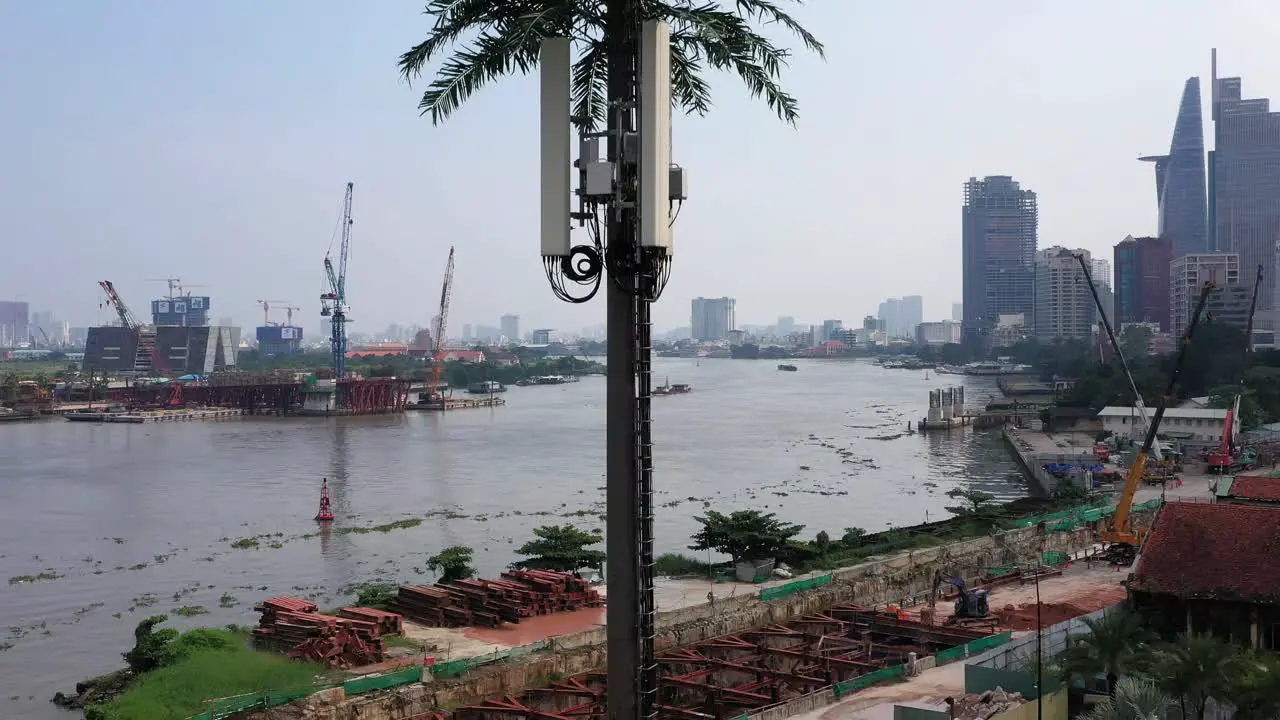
(612,69)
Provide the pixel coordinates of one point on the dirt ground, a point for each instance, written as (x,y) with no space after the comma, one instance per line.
(1080,590)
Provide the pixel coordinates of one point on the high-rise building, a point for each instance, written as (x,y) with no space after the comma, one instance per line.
(1141,283)
(828,331)
(1180,179)
(510,327)
(1064,306)
(957,312)
(181,311)
(1000,224)
(898,317)
(1100,272)
(890,316)
(14,323)
(1187,275)
(712,318)
(1244,185)
(912,314)
(786,325)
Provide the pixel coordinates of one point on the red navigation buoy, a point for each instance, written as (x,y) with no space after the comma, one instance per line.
(326,512)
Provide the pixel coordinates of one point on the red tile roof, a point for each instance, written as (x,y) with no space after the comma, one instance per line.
(1221,551)
(1256,487)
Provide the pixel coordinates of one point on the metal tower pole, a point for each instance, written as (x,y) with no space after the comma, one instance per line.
(622,452)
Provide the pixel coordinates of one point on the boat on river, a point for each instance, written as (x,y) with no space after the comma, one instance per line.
(667,388)
(788,368)
(486,387)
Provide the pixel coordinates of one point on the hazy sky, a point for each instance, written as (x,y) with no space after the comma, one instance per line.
(211,141)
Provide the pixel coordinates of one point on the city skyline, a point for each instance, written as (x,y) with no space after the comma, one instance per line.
(242,181)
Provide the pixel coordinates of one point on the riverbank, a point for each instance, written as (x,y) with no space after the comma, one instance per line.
(905,579)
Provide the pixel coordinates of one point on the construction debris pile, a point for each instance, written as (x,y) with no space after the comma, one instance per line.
(350,639)
(490,603)
(986,705)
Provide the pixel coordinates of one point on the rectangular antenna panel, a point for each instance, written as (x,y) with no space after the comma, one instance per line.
(554,130)
(655,135)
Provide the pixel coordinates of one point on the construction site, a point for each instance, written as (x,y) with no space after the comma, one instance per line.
(741,650)
(178,361)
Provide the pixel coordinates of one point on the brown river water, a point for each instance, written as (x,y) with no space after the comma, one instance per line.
(118,522)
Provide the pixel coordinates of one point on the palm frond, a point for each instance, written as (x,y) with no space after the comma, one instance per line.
(494,38)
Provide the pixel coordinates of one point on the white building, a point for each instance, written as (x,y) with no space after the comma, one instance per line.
(1064,306)
(938,333)
(1203,425)
(1187,275)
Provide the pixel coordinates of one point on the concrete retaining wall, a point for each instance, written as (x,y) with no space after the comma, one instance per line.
(906,578)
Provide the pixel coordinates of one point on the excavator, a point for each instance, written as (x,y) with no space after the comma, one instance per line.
(970,604)
(1122,539)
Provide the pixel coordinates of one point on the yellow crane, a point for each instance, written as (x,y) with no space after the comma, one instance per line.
(1121,538)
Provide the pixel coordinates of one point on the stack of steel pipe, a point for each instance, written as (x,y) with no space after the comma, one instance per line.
(489,603)
(293,625)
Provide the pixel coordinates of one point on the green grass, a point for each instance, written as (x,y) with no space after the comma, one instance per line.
(206,673)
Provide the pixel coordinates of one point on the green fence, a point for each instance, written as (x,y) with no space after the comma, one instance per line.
(1068,520)
(369,683)
(226,707)
(863,682)
(791,588)
(982,645)
(951,655)
(979,679)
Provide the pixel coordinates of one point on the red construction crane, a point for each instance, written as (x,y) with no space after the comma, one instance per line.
(438,332)
(146,340)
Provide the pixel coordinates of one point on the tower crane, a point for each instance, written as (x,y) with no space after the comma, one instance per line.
(266,309)
(333,304)
(442,324)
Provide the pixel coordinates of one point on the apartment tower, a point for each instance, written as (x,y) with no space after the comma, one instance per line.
(999,231)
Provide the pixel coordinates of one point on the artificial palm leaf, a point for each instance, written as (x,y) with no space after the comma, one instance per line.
(485,40)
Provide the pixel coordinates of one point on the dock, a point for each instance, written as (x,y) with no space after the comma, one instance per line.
(458,404)
(153,416)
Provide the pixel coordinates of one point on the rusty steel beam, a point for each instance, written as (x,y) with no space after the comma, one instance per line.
(672,710)
(513,706)
(752,699)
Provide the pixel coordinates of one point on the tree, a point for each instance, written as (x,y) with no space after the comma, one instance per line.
(1135,699)
(853,536)
(150,646)
(1224,397)
(1197,668)
(1255,690)
(453,563)
(1135,341)
(1115,645)
(561,547)
(744,534)
(977,503)
(507,38)
(823,543)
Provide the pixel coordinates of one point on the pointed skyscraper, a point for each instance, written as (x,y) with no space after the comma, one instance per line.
(1180,179)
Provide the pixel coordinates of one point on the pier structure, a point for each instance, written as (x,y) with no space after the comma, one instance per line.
(276,394)
(946,410)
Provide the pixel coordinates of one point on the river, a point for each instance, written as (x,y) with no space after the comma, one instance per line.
(125,521)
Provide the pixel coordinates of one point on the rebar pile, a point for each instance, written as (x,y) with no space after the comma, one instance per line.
(490,603)
(292,625)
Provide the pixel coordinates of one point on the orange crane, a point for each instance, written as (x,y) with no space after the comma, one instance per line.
(438,332)
(1121,538)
